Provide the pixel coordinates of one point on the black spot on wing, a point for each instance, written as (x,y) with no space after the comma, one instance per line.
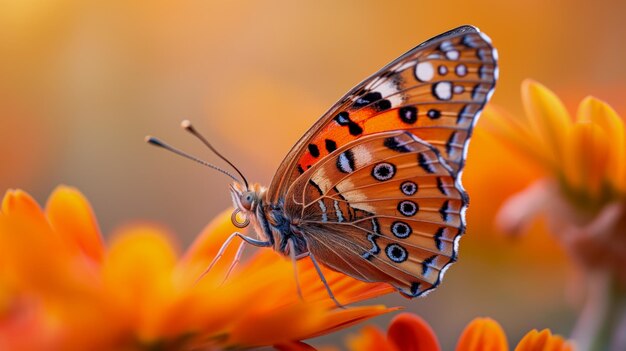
(444,210)
(382,105)
(423,162)
(314,184)
(415,289)
(450,142)
(408,208)
(426,263)
(343,119)
(355,129)
(393,144)
(438,235)
(408,114)
(367,99)
(441,187)
(461,114)
(433,113)
(375,99)
(331,145)
(315,152)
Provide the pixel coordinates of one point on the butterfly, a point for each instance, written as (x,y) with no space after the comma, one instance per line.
(373,190)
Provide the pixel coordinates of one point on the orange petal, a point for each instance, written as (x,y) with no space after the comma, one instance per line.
(370,339)
(543,341)
(602,115)
(514,133)
(411,333)
(343,318)
(33,256)
(71,216)
(547,117)
(200,254)
(18,201)
(137,273)
(483,334)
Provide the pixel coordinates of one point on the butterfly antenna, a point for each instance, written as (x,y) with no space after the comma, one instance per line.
(156,142)
(188,127)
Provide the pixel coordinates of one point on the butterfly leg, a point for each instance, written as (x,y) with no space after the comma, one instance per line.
(294,258)
(220,253)
(319,272)
(235,261)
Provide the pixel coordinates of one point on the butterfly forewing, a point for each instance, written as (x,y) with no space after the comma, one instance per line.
(387,204)
(435,91)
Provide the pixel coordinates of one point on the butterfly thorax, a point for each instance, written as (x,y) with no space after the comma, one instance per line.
(268,220)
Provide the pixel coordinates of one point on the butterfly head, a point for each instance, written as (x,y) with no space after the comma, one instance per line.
(245,201)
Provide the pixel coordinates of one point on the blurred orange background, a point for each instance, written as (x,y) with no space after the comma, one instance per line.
(81,84)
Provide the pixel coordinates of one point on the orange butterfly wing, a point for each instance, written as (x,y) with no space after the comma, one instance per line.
(382,208)
(436,91)
(374,186)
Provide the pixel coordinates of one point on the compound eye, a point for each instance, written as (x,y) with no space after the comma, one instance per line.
(247,199)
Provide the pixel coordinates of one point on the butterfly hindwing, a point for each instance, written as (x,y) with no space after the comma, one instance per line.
(384,207)
(435,91)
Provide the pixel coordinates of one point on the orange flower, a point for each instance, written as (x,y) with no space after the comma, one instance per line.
(61,288)
(582,192)
(408,332)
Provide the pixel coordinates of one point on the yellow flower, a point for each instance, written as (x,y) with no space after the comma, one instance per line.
(409,332)
(586,156)
(62,289)
(582,193)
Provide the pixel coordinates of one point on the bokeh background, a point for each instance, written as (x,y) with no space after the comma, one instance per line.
(82,82)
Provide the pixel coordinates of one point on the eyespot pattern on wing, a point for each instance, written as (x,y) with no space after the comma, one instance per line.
(375,183)
(384,225)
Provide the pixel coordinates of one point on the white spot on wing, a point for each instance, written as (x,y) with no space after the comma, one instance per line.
(461,70)
(362,156)
(452,54)
(446,45)
(443,90)
(424,71)
(485,37)
(389,90)
(338,211)
(344,163)
(321,179)
(323,208)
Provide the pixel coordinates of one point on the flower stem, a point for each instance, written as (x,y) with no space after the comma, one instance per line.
(601,325)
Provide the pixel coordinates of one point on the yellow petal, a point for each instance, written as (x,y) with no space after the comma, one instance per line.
(543,341)
(483,334)
(602,115)
(71,216)
(547,117)
(586,160)
(137,273)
